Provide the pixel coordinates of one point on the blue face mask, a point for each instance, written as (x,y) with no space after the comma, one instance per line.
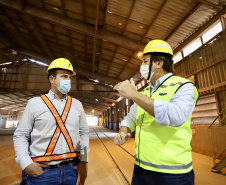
(65,86)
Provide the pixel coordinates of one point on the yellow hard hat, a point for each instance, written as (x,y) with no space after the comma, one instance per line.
(159,46)
(61,63)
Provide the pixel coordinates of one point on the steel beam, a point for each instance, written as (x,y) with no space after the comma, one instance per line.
(183,20)
(200,30)
(109,105)
(104,98)
(77,70)
(13,104)
(74,25)
(218,7)
(40,36)
(95,33)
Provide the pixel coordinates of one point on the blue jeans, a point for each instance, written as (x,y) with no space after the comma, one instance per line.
(66,175)
(146,177)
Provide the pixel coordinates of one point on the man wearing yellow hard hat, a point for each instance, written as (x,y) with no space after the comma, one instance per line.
(161,118)
(52,140)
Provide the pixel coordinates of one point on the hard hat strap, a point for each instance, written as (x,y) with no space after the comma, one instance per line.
(150,65)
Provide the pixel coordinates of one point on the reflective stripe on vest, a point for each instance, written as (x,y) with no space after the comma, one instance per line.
(169,167)
(60,128)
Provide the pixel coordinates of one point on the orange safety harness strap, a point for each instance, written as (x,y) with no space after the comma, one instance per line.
(60,128)
(60,122)
(56,157)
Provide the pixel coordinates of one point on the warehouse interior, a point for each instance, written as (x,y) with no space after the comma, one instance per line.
(102,40)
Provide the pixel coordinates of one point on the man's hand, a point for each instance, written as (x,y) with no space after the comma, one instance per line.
(121,138)
(35,169)
(82,169)
(126,88)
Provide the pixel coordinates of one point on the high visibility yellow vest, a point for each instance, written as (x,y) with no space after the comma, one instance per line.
(160,148)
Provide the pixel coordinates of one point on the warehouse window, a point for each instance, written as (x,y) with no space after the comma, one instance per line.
(212,32)
(177,57)
(192,47)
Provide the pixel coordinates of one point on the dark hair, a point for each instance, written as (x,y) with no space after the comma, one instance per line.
(165,57)
(53,72)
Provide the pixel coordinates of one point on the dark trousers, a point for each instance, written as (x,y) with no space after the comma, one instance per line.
(146,177)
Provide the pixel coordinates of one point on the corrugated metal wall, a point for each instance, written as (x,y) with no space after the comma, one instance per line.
(208,65)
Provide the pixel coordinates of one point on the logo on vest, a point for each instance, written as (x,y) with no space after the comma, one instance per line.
(162,94)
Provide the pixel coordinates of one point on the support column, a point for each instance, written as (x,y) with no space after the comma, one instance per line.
(108,118)
(117,119)
(112,121)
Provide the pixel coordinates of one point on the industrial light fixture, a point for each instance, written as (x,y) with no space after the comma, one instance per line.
(6,63)
(37,62)
(97,100)
(96,80)
(139,54)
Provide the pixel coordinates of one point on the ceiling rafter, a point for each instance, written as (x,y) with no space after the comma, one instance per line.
(200,30)
(102,41)
(77,70)
(68,31)
(93,100)
(11,99)
(41,37)
(75,25)
(95,33)
(16,107)
(155,19)
(10,19)
(21,4)
(123,34)
(218,7)
(144,35)
(13,104)
(92,104)
(111,92)
(102,97)
(109,105)
(96,109)
(183,20)
(84,55)
(94,83)
(100,107)
(37,30)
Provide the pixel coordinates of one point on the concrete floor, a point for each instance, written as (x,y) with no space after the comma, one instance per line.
(102,169)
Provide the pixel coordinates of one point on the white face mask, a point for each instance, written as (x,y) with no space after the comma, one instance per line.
(64,87)
(144,70)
